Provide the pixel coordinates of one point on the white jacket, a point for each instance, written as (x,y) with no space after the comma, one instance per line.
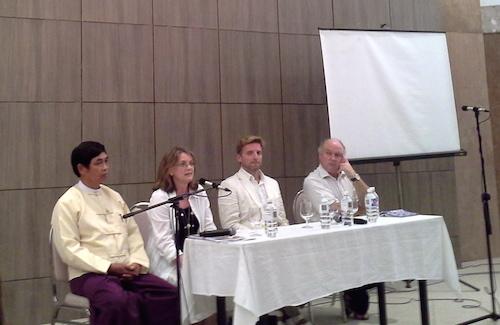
(161,243)
(243,205)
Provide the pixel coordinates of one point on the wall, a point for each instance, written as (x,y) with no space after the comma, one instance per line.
(144,75)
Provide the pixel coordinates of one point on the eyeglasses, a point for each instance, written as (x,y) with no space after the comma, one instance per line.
(185,164)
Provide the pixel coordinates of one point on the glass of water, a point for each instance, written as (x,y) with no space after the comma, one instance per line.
(355,203)
(306,212)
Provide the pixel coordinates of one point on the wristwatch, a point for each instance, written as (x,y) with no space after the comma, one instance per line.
(355,178)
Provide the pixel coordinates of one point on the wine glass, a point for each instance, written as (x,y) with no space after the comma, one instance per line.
(355,203)
(306,212)
(256,227)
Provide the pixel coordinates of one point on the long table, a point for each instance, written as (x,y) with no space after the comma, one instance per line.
(303,264)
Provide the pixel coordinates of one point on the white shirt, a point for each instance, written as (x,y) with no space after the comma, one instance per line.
(319,183)
(247,201)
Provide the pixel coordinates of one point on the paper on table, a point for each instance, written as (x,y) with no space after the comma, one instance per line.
(398,213)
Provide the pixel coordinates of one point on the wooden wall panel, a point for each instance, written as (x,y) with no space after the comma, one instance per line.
(469,79)
(46,9)
(301,154)
(249,15)
(263,120)
(468,70)
(38,138)
(462,16)
(289,187)
(40,60)
(186,65)
(133,193)
(117,62)
(127,132)
(189,13)
(196,127)
(304,17)
(492,57)
(302,74)
(24,230)
(431,164)
(413,15)
(250,70)
(386,187)
(361,14)
(28,301)
(373,168)
(118,11)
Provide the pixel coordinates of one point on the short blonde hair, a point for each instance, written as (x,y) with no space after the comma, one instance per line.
(247,140)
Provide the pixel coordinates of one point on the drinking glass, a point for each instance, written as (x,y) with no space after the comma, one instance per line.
(355,203)
(256,227)
(306,212)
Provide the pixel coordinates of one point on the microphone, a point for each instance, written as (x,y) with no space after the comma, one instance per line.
(475,109)
(203,181)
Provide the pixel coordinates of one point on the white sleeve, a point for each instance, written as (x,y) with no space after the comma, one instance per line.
(229,209)
(280,208)
(161,226)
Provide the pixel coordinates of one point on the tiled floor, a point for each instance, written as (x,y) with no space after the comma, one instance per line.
(403,305)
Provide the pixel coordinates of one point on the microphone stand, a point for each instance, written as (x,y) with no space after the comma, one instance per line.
(175,203)
(485,197)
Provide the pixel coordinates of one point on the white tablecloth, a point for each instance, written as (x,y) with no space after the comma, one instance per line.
(304,264)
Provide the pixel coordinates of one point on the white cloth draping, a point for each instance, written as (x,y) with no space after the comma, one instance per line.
(304,264)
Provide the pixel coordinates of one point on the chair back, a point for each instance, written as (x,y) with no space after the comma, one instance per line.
(142,220)
(59,268)
(296,206)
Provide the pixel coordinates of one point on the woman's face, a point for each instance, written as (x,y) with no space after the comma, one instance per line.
(183,171)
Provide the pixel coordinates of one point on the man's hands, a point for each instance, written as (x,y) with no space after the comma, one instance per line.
(346,167)
(125,271)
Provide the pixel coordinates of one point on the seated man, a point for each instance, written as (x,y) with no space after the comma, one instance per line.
(251,189)
(333,176)
(105,253)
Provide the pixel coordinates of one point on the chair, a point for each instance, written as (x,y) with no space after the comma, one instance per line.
(60,299)
(142,220)
(299,197)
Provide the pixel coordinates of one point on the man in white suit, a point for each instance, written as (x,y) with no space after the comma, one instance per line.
(251,192)
(251,189)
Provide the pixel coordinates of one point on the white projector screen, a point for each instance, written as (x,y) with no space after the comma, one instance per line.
(390,94)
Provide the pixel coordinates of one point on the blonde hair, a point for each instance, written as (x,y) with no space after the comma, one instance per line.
(248,140)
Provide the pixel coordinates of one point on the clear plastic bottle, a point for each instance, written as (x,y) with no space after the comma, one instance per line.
(325,217)
(346,209)
(372,205)
(271,219)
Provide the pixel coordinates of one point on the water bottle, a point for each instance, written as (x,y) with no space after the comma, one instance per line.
(324,213)
(346,209)
(271,219)
(372,205)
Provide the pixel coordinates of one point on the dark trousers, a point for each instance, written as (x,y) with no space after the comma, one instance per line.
(357,299)
(146,299)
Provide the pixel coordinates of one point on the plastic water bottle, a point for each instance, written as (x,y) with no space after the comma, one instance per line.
(271,219)
(346,209)
(325,217)
(372,205)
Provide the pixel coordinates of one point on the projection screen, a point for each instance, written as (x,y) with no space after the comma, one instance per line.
(390,94)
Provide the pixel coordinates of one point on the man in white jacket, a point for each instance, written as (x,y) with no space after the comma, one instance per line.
(251,189)
(244,207)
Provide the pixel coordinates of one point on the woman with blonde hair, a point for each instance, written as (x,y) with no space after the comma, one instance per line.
(176,177)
